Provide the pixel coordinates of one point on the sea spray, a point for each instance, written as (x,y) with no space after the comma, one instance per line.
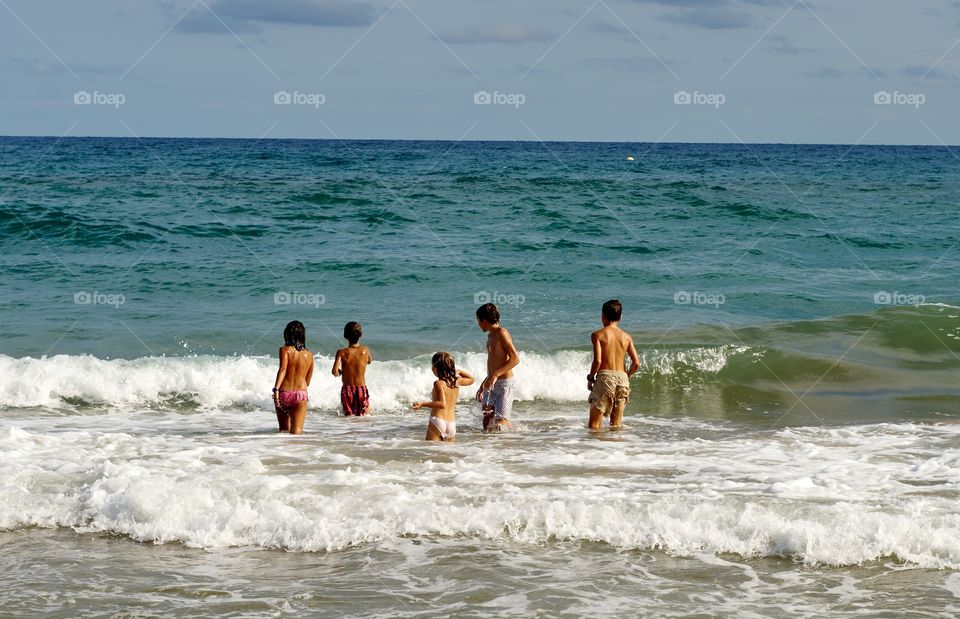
(211,382)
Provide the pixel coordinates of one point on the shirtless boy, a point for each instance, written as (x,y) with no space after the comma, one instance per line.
(351,365)
(496,391)
(609,385)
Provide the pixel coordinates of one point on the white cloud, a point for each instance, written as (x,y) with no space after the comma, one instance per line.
(502,32)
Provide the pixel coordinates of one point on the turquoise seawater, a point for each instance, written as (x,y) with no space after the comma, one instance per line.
(790,449)
(814,260)
(199,235)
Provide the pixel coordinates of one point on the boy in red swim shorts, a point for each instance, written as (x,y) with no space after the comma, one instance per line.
(351,365)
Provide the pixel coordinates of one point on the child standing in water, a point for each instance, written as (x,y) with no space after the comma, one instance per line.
(351,365)
(293,378)
(609,385)
(443,422)
(496,391)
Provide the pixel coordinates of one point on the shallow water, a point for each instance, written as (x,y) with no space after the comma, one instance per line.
(791,448)
(428,577)
(668,517)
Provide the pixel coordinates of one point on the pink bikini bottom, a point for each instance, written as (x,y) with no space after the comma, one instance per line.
(289,399)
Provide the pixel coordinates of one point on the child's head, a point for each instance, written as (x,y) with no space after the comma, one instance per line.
(295,334)
(612,310)
(444,368)
(489,314)
(352,332)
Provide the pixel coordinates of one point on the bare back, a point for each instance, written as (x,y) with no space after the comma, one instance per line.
(443,393)
(297,368)
(611,345)
(353,365)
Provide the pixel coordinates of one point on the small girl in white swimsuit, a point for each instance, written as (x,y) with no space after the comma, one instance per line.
(443,422)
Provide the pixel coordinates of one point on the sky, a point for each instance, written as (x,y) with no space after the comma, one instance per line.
(782,71)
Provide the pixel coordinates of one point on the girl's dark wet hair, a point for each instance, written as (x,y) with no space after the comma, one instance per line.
(295,334)
(442,362)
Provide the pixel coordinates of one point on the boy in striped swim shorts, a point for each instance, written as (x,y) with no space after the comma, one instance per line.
(496,392)
(608,383)
(351,366)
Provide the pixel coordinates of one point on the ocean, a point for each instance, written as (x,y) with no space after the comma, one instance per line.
(791,447)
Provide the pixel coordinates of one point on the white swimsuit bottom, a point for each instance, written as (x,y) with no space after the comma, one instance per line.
(447,429)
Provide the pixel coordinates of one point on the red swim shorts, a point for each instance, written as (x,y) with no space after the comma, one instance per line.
(355,400)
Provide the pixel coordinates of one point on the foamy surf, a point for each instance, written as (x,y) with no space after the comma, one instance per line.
(832,497)
(67,382)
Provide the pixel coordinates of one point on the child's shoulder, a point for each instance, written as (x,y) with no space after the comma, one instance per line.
(291,350)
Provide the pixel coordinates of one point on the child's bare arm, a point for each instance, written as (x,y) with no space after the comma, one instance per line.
(309,376)
(282,370)
(369,357)
(436,404)
(336,364)
(597,355)
(465,379)
(281,373)
(634,358)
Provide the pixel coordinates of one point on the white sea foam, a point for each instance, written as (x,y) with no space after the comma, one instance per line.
(210,382)
(711,359)
(837,497)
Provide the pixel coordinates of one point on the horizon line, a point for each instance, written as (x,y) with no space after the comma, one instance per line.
(499,141)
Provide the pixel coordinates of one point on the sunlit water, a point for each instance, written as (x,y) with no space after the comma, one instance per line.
(791,450)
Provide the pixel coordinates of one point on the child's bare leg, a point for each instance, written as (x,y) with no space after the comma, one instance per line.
(596,416)
(616,417)
(432,433)
(297,417)
(487,417)
(283,419)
